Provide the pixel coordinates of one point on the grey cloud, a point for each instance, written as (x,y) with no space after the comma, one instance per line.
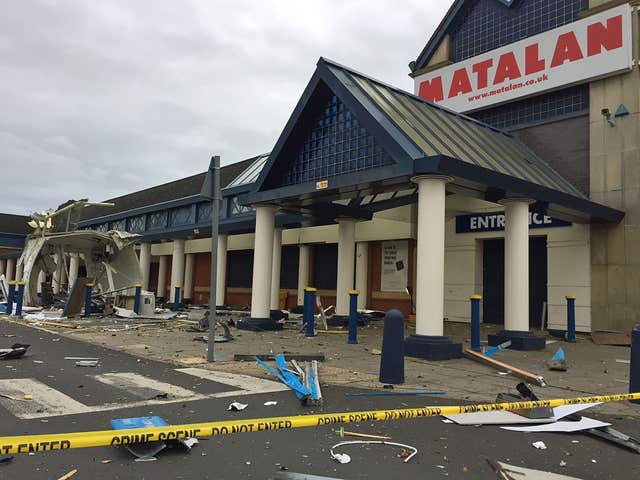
(104,98)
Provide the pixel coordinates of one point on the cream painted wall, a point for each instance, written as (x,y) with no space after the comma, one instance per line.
(394,224)
(569,273)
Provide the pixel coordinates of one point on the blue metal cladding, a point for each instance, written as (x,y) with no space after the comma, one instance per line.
(553,105)
(485,25)
(182,215)
(136,224)
(157,220)
(336,145)
(204,212)
(120,225)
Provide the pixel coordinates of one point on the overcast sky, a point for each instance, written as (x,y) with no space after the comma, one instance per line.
(104,98)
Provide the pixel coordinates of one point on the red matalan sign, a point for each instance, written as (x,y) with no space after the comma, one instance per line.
(593,47)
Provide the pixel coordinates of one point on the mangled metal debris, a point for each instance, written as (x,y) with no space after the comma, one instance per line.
(108,257)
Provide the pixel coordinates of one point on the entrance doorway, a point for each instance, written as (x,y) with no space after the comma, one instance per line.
(493,280)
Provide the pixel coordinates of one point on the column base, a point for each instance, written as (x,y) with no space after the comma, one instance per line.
(520,340)
(431,347)
(258,324)
(276,315)
(343,321)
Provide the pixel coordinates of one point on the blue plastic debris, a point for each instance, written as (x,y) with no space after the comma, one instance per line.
(558,361)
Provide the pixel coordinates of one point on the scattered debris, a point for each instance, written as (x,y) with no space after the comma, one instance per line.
(558,361)
(17,350)
(82,358)
(584,423)
(540,445)
(503,366)
(237,406)
(66,476)
(342,433)
(376,351)
(25,398)
(344,458)
(267,357)
(146,452)
(611,338)
(270,403)
(311,381)
(125,313)
(299,476)
(87,363)
(491,351)
(105,461)
(505,417)
(620,360)
(504,471)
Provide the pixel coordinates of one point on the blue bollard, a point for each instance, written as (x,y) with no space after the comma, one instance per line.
(136,299)
(475,322)
(176,299)
(571,318)
(634,367)
(308,310)
(392,358)
(10,296)
(353,316)
(87,300)
(20,298)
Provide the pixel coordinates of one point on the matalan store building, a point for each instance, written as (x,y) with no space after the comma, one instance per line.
(512,172)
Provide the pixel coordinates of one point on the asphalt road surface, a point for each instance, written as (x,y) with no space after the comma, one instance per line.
(67,398)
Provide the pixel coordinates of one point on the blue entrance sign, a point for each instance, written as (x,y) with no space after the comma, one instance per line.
(493,222)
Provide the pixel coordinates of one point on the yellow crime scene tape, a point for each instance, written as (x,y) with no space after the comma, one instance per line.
(65,441)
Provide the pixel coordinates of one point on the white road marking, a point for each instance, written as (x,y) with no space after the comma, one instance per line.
(143,387)
(47,401)
(248,384)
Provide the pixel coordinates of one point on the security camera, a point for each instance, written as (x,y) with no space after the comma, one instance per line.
(607,115)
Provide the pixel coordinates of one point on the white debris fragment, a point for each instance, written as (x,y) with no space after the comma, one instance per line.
(270,403)
(563,463)
(540,445)
(341,457)
(237,406)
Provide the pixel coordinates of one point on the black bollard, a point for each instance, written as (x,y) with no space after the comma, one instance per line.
(392,358)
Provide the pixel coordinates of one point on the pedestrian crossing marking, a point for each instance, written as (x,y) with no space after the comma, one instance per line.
(49,402)
(248,384)
(46,402)
(143,387)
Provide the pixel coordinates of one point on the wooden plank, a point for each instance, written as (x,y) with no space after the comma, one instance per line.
(75,300)
(479,357)
(302,357)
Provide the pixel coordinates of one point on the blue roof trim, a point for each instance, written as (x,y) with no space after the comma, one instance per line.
(12,240)
(495,180)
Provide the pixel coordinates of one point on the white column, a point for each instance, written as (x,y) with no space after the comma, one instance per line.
(3,265)
(303,271)
(362,261)
(275,269)
(57,275)
(162,275)
(429,295)
(74,266)
(177,268)
(41,279)
(221,272)
(145,264)
(188,275)
(346,264)
(262,262)
(9,271)
(19,271)
(516,264)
